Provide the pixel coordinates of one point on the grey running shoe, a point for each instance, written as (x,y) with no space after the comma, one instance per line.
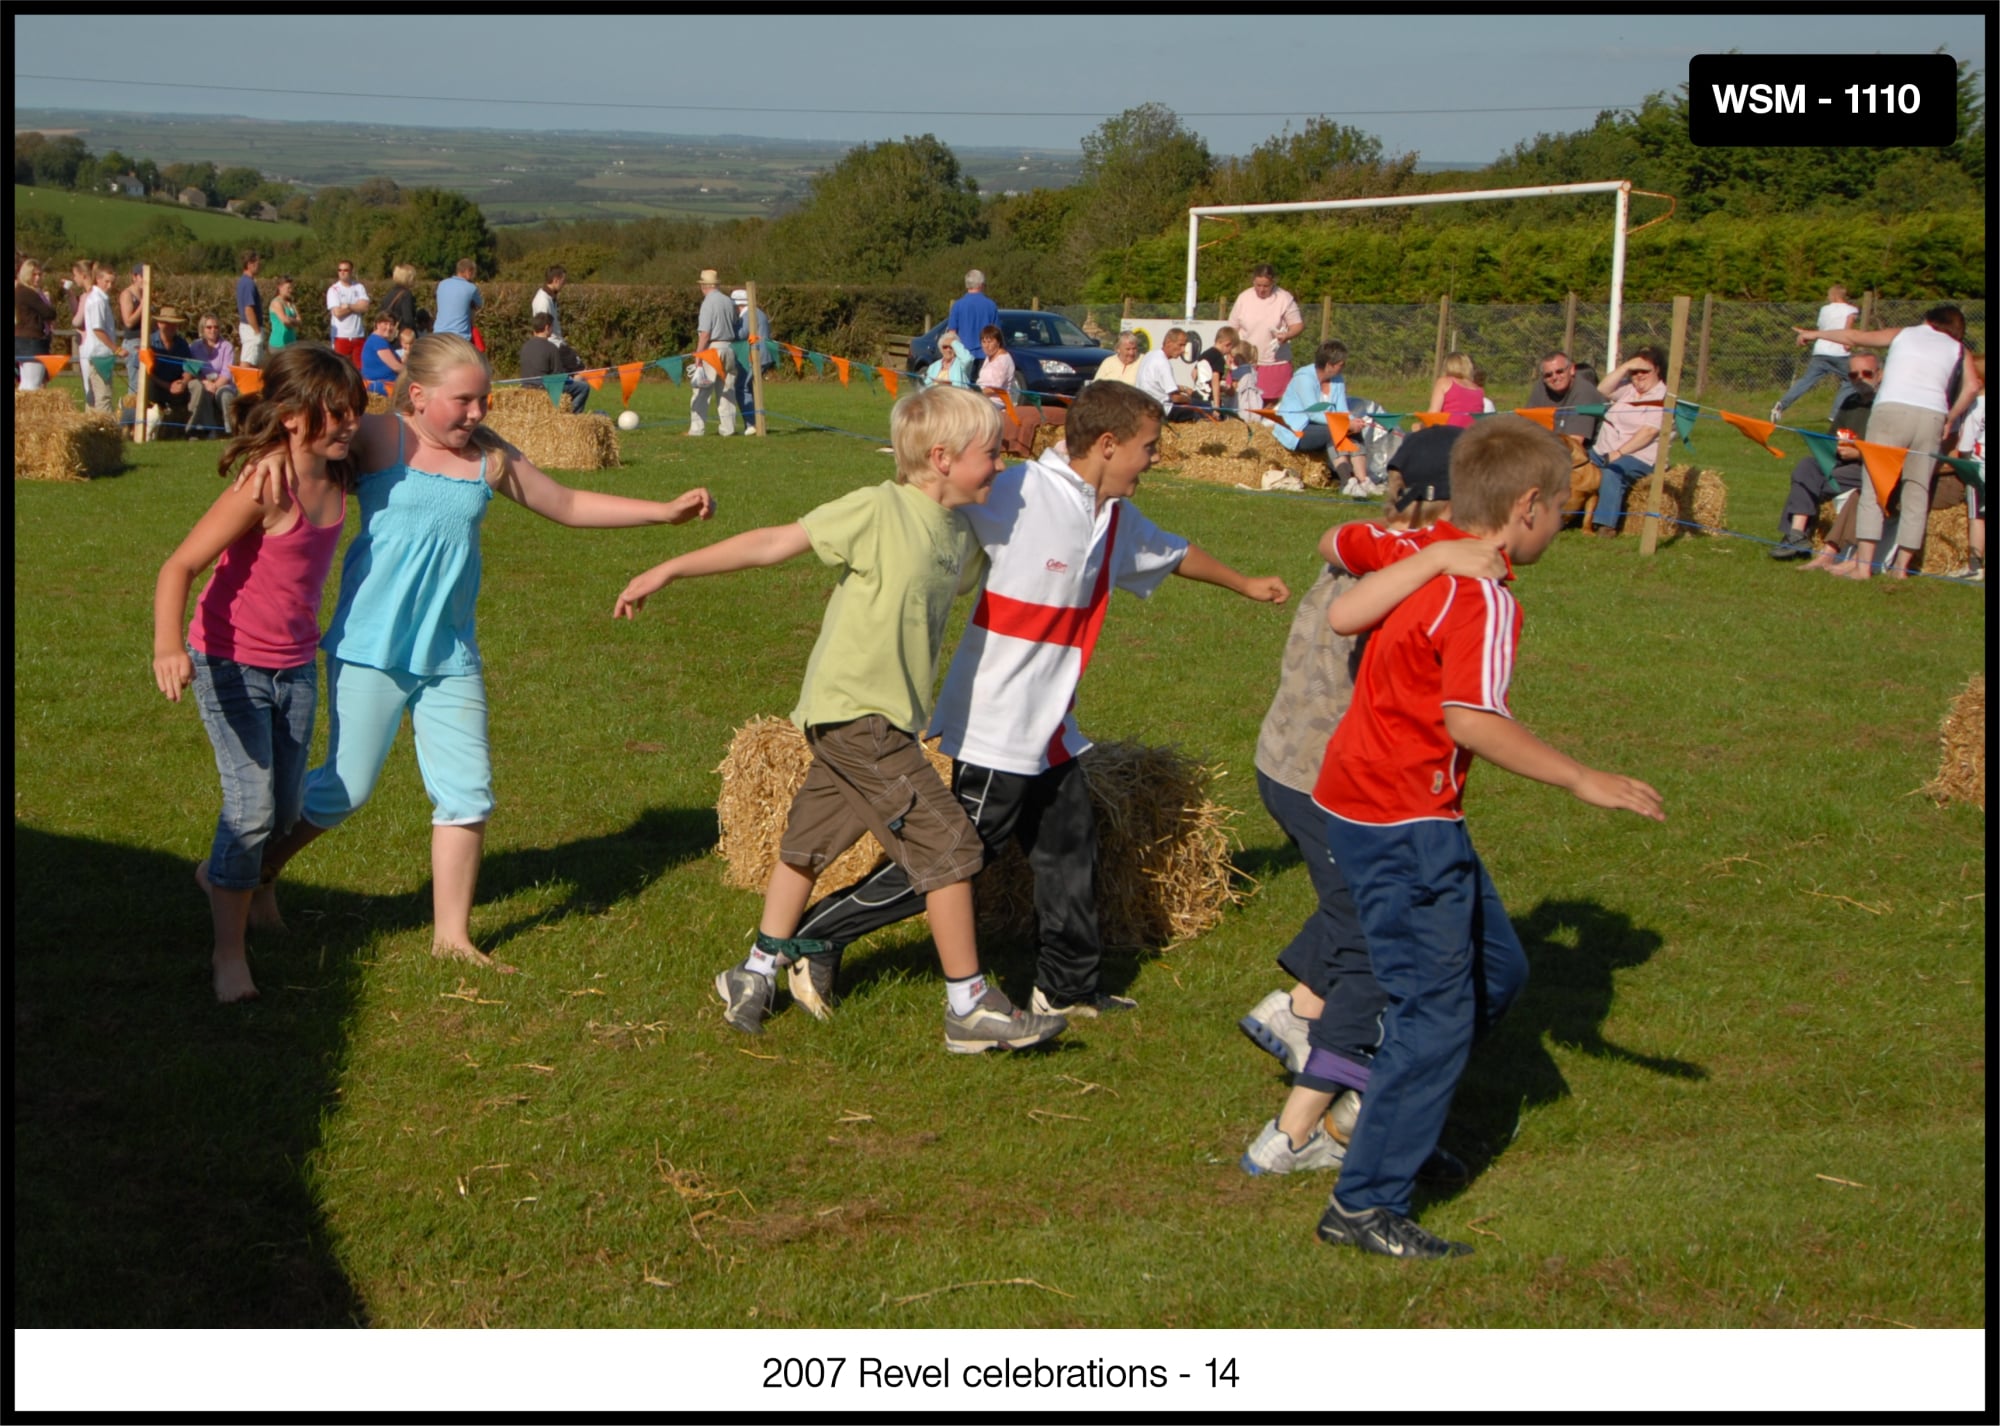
(1272,1152)
(746,998)
(1341,1116)
(995,1021)
(1391,1235)
(1275,1028)
(1098,1004)
(811,981)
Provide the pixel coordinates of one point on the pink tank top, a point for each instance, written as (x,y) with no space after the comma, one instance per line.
(262,606)
(1462,403)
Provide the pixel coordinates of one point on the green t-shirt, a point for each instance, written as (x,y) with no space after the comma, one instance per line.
(903,558)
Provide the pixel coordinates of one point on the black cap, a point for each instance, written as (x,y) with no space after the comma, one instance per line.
(1424,462)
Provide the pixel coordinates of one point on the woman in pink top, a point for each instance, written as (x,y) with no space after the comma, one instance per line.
(1455,392)
(996,374)
(250,649)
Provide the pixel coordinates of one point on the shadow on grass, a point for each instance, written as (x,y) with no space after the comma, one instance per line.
(161,1142)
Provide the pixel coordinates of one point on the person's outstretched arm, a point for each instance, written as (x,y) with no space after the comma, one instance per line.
(527,484)
(753,549)
(1848,336)
(1199,564)
(1376,596)
(1506,744)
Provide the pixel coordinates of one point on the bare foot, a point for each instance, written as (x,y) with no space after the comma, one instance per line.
(470,954)
(1852,569)
(264,914)
(232,979)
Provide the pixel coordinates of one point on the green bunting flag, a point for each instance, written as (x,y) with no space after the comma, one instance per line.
(1824,450)
(553,384)
(1972,470)
(819,362)
(742,350)
(1597,410)
(672,367)
(104,366)
(1684,418)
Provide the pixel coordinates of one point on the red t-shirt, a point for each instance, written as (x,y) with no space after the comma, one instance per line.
(1452,642)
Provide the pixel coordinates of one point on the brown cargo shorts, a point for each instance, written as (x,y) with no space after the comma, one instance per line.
(868,775)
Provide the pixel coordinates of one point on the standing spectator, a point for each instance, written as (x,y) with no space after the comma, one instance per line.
(714,326)
(131,300)
(97,339)
(1972,446)
(1267,317)
(1629,441)
(381,358)
(544,300)
(541,357)
(402,303)
(1156,378)
(346,301)
(284,315)
(214,387)
(754,328)
(1828,358)
(973,313)
(170,386)
(1810,484)
(250,312)
(1123,363)
(1913,409)
(34,314)
(457,299)
(1221,361)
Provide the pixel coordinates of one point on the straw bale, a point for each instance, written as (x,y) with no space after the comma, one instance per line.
(1163,870)
(551,439)
(55,441)
(1947,541)
(380,405)
(1961,773)
(1686,493)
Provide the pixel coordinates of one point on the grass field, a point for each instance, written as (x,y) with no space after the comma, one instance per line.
(96,220)
(1745,1087)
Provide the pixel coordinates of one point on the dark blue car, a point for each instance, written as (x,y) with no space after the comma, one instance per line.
(1051,353)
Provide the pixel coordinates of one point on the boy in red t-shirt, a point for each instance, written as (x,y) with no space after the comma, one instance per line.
(1432,694)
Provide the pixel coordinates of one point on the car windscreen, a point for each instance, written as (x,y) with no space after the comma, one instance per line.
(1043,330)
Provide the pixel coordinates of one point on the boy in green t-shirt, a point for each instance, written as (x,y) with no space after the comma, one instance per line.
(904,553)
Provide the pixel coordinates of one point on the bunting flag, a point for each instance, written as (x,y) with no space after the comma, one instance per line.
(1825,449)
(797,355)
(1426,419)
(249,380)
(628,379)
(1336,428)
(713,358)
(1600,407)
(742,350)
(841,365)
(104,366)
(146,358)
(1006,401)
(553,384)
(1972,468)
(1884,463)
(54,364)
(1543,416)
(819,361)
(889,382)
(1684,418)
(1757,431)
(672,367)
(595,378)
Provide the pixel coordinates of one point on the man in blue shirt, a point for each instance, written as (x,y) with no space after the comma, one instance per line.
(250,312)
(457,299)
(972,313)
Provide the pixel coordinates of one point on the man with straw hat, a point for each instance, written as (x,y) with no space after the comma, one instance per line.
(714,327)
(167,387)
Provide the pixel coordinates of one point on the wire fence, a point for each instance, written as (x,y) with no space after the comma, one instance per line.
(1749,347)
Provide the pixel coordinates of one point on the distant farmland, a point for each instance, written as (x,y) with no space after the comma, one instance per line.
(94,220)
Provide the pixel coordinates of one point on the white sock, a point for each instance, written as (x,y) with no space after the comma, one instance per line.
(762,962)
(964,994)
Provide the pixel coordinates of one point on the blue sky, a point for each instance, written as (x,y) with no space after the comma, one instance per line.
(1042,82)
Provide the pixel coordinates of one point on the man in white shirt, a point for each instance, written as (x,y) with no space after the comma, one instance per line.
(346,300)
(100,340)
(1157,379)
(714,327)
(1828,358)
(545,301)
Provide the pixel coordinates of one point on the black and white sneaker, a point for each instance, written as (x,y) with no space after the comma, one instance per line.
(1088,1008)
(746,998)
(1387,1234)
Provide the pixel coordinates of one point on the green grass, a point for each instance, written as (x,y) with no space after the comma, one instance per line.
(1786,980)
(99,221)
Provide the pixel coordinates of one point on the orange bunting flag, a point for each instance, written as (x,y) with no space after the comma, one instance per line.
(841,365)
(628,378)
(1541,415)
(713,356)
(1758,431)
(888,380)
(595,378)
(54,364)
(1427,419)
(1885,466)
(797,355)
(1012,415)
(1336,428)
(249,380)
(146,358)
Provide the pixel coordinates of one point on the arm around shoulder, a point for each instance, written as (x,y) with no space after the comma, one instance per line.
(1376,596)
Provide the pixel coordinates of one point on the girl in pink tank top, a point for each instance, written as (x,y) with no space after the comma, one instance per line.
(1455,392)
(249,651)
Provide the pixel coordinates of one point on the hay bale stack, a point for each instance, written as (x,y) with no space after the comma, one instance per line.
(1163,847)
(1686,493)
(380,405)
(1961,773)
(1947,541)
(1232,452)
(552,439)
(55,441)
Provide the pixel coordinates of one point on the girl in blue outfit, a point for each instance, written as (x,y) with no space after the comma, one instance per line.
(402,634)
(249,651)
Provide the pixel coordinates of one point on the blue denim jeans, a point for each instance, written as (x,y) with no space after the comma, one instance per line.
(578,392)
(260,721)
(1618,475)
(1817,368)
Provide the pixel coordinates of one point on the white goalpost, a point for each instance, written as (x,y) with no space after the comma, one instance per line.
(1621,187)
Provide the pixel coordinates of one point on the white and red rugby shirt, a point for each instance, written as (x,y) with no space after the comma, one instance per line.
(1452,642)
(1009,698)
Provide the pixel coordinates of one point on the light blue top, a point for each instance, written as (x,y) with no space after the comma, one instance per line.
(410,582)
(1303,391)
(455,300)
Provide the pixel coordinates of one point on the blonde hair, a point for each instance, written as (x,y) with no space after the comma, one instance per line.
(432,358)
(1498,460)
(947,416)
(1457,366)
(404,275)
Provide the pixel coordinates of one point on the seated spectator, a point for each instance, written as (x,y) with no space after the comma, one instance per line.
(996,374)
(1157,379)
(1565,386)
(381,361)
(1628,442)
(1123,363)
(1479,380)
(541,357)
(1456,393)
(1301,429)
(953,366)
(170,385)
(215,383)
(1810,484)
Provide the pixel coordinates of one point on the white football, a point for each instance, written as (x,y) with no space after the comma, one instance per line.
(628,420)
